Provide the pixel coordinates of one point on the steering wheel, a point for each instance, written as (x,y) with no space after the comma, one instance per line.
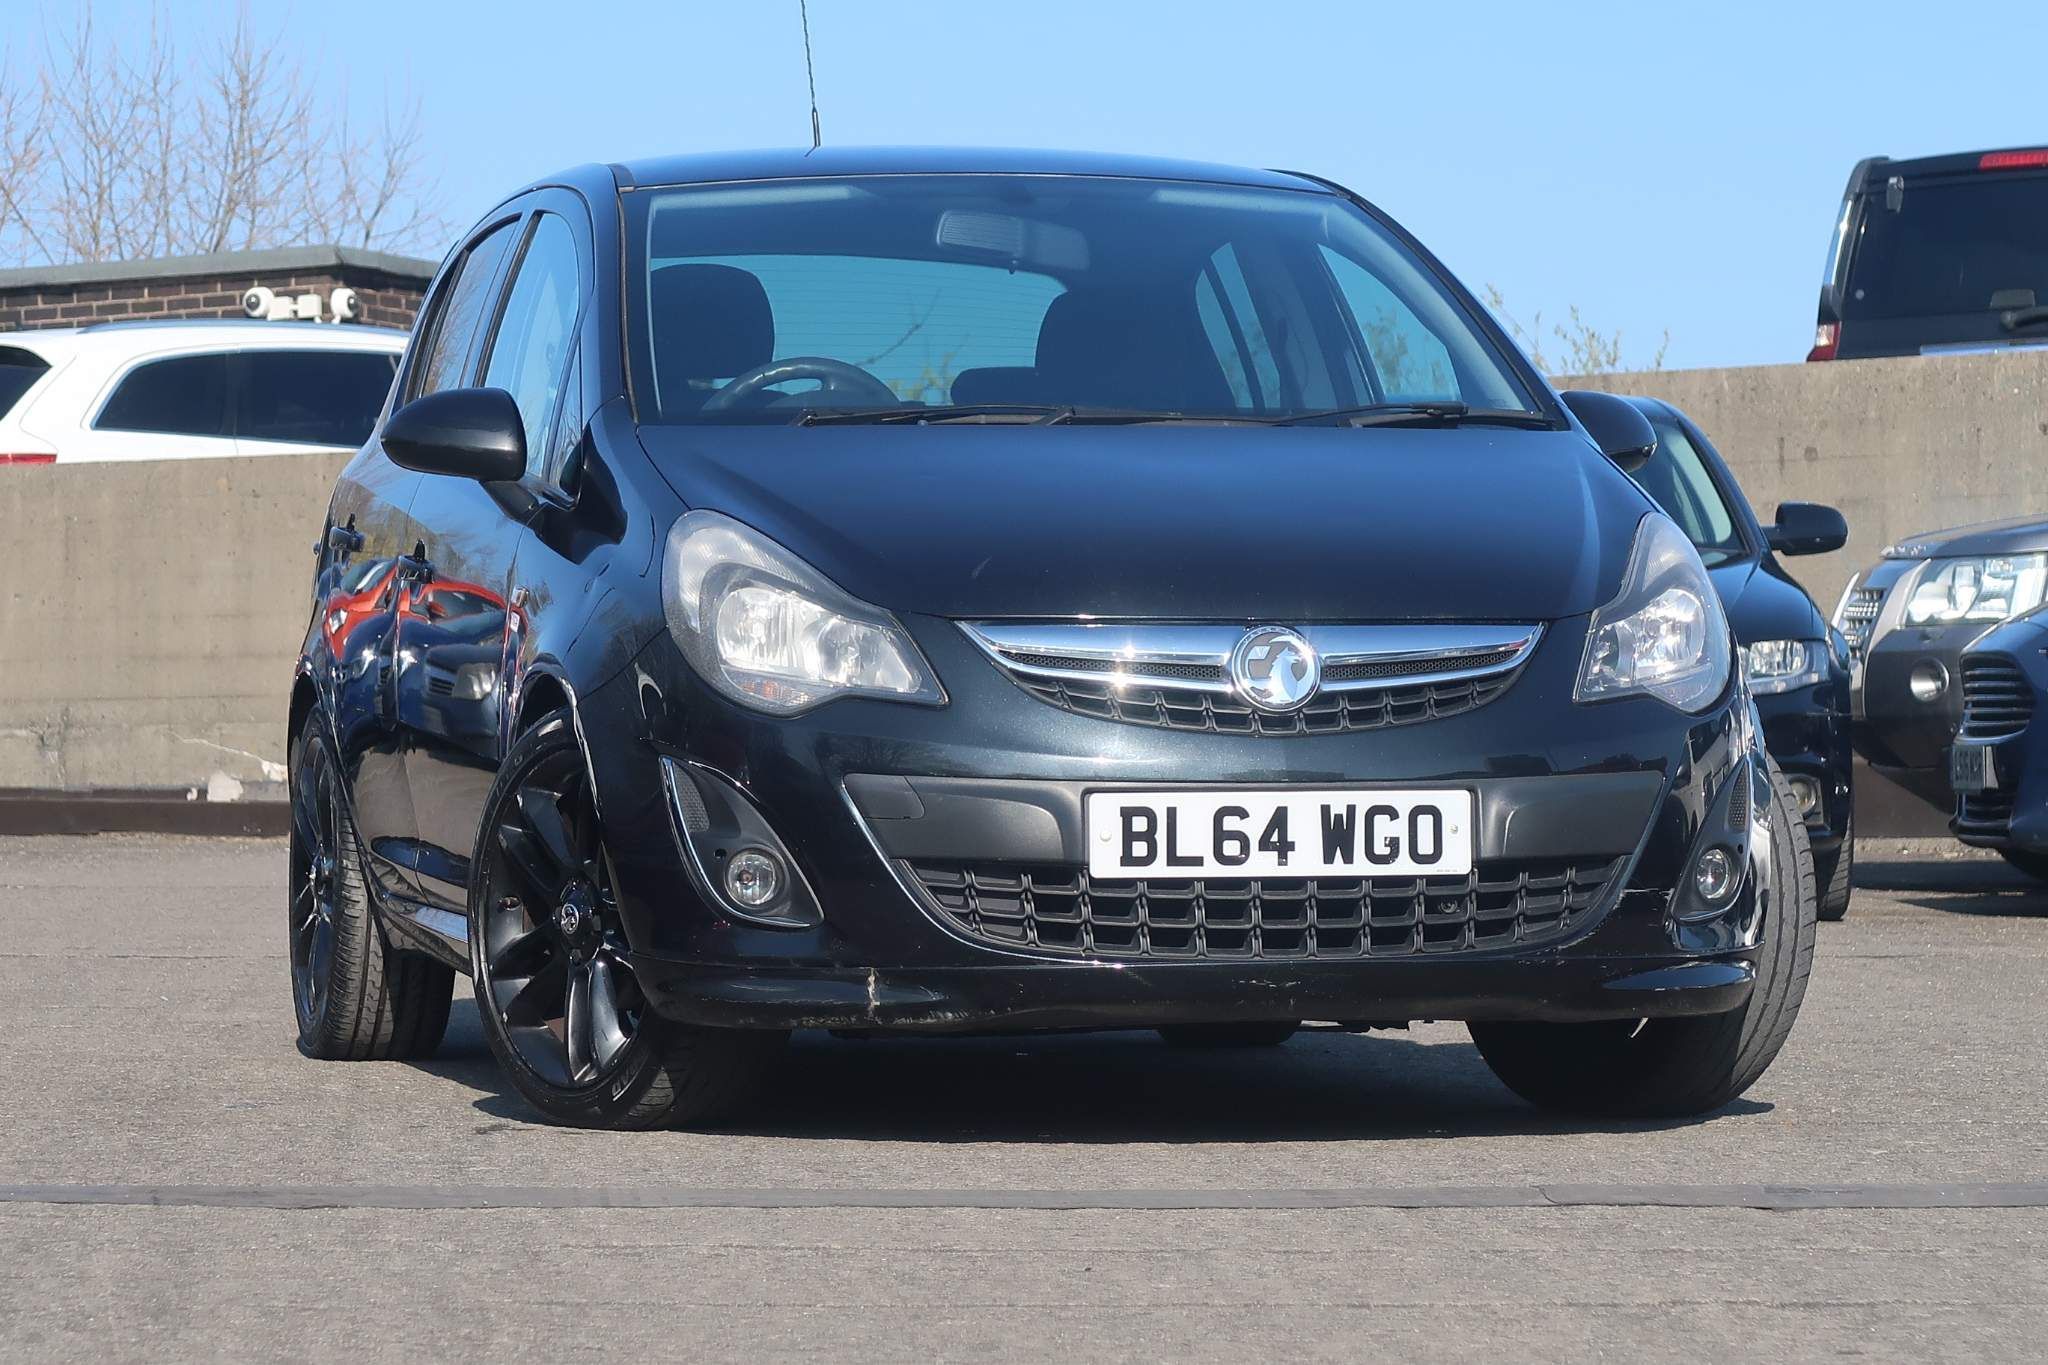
(837,377)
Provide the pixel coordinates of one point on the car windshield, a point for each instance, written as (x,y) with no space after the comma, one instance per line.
(1067,296)
(1970,244)
(1678,478)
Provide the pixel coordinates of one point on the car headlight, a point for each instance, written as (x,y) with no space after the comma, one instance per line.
(1664,634)
(769,631)
(1781,665)
(1986,588)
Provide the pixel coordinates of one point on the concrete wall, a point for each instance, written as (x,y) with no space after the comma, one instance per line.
(149,617)
(149,613)
(1900,446)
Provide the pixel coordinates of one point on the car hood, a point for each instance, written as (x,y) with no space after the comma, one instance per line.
(2014,535)
(1235,523)
(1763,603)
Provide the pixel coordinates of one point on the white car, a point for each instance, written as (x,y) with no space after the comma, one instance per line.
(186,390)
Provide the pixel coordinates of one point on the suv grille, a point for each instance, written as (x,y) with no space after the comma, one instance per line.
(1179,708)
(1997,698)
(1859,614)
(1061,909)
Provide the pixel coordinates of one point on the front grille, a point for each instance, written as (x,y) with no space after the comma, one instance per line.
(1177,708)
(1062,910)
(1859,615)
(1984,815)
(1997,698)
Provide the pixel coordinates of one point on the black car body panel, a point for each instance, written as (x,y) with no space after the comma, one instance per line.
(942,525)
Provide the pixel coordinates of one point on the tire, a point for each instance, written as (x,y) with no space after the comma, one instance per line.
(541,848)
(1268,1033)
(2035,865)
(1673,1068)
(1834,877)
(355,998)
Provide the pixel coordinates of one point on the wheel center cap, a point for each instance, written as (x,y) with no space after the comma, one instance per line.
(576,916)
(569,918)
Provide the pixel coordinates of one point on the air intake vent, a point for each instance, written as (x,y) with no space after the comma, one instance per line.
(1997,698)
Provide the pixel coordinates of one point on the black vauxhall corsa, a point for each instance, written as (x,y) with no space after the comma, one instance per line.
(949,591)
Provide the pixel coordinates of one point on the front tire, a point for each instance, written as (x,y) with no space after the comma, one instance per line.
(355,998)
(1673,1068)
(555,988)
(1835,876)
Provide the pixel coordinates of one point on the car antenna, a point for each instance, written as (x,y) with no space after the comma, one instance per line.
(810,73)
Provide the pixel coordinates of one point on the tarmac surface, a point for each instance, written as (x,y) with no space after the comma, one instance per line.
(177,1181)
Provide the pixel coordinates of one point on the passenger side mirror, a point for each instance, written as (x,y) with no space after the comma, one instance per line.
(1807,528)
(468,433)
(1623,434)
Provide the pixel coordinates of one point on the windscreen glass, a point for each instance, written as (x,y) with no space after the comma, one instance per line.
(761,302)
(1968,244)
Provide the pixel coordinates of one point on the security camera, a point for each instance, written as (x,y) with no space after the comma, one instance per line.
(256,301)
(342,304)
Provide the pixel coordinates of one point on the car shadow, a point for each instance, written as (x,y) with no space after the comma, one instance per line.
(1957,886)
(1124,1087)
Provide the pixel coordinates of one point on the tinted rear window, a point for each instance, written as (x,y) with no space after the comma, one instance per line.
(19,370)
(182,396)
(1967,244)
(329,398)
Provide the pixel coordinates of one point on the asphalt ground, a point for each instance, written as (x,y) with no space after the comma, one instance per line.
(176,1181)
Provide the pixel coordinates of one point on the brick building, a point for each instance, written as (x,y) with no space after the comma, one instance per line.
(387,287)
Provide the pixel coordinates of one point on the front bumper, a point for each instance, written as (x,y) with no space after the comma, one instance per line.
(1631,783)
(1807,733)
(1903,736)
(2012,812)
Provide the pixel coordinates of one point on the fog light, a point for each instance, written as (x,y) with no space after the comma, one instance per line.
(1927,681)
(1713,876)
(753,878)
(1806,792)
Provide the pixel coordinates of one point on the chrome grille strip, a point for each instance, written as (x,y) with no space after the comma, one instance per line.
(1355,658)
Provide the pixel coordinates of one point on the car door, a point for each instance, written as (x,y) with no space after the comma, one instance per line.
(455,636)
(362,618)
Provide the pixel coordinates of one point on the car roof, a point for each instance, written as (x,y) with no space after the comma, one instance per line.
(1872,172)
(792,163)
(141,336)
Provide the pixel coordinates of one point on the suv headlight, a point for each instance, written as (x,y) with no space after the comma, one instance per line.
(1781,665)
(1664,634)
(1986,588)
(771,632)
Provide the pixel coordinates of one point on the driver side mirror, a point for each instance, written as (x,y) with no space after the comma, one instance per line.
(468,433)
(1807,528)
(1623,434)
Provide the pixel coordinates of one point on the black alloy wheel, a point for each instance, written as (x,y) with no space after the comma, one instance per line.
(354,997)
(561,1007)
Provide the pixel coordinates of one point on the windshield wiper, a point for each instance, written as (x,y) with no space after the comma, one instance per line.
(1046,413)
(1444,413)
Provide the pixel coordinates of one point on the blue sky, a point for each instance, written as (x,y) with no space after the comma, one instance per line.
(1660,166)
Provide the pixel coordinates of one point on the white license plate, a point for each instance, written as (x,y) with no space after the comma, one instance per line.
(1279,833)
(1970,768)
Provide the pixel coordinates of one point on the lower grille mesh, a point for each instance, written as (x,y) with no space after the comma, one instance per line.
(1060,909)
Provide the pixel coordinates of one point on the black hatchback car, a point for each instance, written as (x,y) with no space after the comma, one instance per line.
(1798,667)
(949,591)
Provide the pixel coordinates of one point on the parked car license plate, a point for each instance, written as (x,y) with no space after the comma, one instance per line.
(1970,768)
(1279,833)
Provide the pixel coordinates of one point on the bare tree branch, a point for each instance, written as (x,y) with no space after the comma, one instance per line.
(119,149)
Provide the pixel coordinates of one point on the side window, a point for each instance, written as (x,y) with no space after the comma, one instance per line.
(460,310)
(568,430)
(183,396)
(326,398)
(530,352)
(1410,360)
